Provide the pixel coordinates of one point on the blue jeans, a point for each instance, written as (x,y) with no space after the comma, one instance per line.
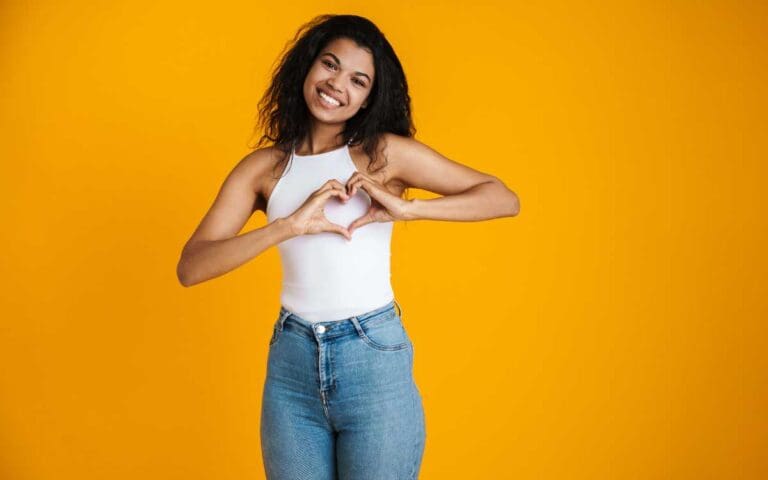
(339,400)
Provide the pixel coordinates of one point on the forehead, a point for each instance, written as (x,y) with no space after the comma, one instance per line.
(352,56)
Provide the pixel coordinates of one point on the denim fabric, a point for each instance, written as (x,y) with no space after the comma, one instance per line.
(339,400)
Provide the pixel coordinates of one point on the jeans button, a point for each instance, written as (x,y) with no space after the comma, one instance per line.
(320,329)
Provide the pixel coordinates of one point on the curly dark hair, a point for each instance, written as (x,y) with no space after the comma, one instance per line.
(283,114)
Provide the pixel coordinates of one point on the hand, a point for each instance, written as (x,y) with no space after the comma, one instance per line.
(310,218)
(385,207)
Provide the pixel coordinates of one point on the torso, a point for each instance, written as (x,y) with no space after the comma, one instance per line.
(384,176)
(326,277)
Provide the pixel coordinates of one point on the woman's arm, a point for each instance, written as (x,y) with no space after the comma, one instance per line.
(491,199)
(467,194)
(215,247)
(203,260)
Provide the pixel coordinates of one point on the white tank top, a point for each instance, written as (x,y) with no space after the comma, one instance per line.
(325,276)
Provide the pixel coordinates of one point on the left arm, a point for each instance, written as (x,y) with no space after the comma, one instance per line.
(467,194)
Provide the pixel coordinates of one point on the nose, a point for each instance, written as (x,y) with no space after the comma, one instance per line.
(332,86)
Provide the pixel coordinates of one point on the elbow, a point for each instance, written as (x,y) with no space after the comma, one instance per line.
(511,202)
(183,274)
(514,204)
(188,269)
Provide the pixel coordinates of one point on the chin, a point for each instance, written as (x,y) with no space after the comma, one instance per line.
(329,117)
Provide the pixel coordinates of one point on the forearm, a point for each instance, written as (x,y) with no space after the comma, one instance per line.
(481,202)
(208,259)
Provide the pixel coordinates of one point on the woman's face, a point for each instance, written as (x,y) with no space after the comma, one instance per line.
(343,71)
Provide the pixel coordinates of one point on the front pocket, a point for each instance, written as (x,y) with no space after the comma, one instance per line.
(387,335)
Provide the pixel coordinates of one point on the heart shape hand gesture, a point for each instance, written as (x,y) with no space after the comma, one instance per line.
(385,207)
(310,218)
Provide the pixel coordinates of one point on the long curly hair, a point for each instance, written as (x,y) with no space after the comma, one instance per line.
(283,115)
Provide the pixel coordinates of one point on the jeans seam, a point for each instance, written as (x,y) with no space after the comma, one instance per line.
(376,346)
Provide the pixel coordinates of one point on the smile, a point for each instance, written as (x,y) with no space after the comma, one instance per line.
(328,100)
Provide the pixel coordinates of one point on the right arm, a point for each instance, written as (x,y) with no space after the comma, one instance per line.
(215,247)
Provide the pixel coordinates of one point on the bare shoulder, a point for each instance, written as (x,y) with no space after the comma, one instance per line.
(238,197)
(400,150)
(416,164)
(391,148)
(394,145)
(257,169)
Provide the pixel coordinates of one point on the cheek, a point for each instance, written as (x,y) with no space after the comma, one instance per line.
(359,98)
(311,79)
(309,90)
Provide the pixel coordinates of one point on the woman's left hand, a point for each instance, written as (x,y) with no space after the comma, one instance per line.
(385,207)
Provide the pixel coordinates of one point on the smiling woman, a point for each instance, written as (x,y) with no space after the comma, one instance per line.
(324,80)
(339,399)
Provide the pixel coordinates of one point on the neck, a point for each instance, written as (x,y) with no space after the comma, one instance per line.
(322,138)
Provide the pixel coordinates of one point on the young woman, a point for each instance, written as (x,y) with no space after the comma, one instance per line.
(339,399)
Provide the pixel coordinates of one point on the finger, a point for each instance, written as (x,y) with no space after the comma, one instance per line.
(354,185)
(340,186)
(352,181)
(360,221)
(339,193)
(357,175)
(329,185)
(370,186)
(335,192)
(335,228)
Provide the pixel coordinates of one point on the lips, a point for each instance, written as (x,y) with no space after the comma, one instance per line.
(326,92)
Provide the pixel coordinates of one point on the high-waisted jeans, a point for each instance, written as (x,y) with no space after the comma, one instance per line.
(340,401)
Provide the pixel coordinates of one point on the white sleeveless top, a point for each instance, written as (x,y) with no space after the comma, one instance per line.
(325,276)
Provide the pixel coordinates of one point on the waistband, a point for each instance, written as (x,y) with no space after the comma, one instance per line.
(337,328)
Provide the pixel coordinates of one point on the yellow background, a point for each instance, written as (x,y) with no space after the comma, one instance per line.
(615,329)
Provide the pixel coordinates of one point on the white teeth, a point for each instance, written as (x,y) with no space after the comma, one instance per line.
(329,99)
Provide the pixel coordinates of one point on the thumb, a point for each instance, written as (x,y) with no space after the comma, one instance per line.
(336,228)
(360,221)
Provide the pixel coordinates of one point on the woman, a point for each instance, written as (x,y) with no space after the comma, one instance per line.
(339,400)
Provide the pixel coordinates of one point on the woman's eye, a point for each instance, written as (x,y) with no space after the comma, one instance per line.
(333,65)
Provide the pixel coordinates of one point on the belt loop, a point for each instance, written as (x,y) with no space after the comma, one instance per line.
(281,321)
(357,326)
(399,310)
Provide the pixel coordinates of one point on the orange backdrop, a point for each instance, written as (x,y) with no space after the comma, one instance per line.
(613,330)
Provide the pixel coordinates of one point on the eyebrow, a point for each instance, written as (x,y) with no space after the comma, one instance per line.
(339,62)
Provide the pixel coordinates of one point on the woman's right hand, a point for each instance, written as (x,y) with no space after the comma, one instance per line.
(309,217)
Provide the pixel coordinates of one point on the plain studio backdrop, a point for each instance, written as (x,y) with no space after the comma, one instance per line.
(615,329)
